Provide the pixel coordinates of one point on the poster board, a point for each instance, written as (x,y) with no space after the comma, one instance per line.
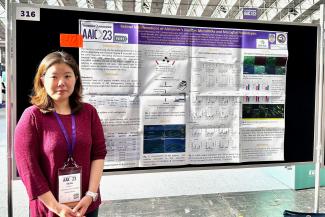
(40,35)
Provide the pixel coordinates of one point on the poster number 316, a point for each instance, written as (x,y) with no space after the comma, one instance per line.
(27,13)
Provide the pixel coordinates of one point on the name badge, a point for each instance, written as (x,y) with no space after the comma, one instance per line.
(69,185)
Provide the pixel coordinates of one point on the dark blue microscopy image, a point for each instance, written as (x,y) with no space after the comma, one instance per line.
(153,131)
(249,69)
(153,146)
(174,131)
(164,139)
(174,145)
(270,70)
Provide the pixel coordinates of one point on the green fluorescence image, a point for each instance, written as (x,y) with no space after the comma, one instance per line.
(263,111)
(249,60)
(271,61)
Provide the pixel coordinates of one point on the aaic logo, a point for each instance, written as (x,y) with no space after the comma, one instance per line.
(121,38)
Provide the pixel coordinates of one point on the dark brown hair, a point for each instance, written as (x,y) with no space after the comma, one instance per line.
(39,96)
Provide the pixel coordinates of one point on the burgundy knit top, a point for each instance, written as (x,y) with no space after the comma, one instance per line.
(41,149)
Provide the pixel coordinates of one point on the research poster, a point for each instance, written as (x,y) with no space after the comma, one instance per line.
(179,95)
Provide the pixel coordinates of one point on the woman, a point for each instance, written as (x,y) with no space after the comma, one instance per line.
(57,133)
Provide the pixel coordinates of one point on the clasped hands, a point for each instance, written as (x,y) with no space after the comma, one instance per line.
(78,211)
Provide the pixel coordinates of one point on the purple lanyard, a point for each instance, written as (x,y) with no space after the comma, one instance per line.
(64,131)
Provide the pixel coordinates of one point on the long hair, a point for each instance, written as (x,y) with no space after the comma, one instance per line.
(39,96)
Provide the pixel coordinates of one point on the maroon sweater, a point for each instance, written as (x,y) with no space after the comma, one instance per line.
(41,149)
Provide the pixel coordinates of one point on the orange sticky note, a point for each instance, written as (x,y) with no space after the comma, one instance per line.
(71,40)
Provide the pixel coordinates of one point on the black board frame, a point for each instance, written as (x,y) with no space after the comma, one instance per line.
(34,39)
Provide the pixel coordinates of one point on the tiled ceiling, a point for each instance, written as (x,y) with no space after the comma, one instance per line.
(306,11)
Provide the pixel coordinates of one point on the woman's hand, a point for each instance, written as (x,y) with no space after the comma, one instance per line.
(81,208)
(52,204)
(65,211)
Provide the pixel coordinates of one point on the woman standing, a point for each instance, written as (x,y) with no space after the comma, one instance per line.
(59,143)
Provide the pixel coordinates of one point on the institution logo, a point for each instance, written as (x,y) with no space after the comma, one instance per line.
(262,43)
(272,38)
(281,38)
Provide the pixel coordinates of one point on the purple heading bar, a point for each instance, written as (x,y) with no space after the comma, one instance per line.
(194,36)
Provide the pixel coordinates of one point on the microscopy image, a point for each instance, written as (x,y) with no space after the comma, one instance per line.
(153,132)
(270,61)
(164,139)
(261,65)
(270,70)
(260,60)
(263,111)
(174,145)
(249,69)
(249,60)
(280,70)
(259,69)
(281,61)
(174,131)
(153,146)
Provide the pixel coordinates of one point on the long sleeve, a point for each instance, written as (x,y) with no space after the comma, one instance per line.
(98,150)
(27,155)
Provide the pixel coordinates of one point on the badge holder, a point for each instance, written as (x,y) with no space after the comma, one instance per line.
(69,183)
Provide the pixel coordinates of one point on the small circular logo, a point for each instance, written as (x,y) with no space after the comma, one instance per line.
(281,38)
(272,38)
